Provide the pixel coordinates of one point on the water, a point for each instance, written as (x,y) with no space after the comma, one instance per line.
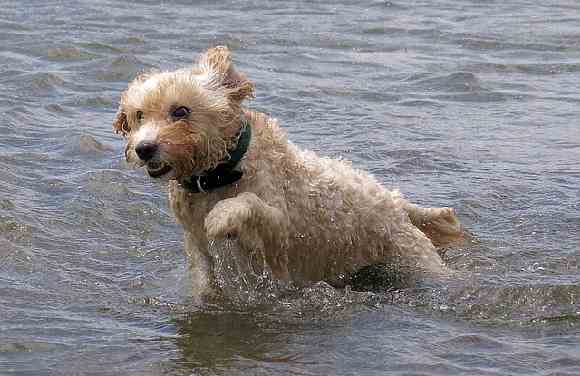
(461,103)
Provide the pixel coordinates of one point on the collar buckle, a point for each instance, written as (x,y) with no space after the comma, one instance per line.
(224,173)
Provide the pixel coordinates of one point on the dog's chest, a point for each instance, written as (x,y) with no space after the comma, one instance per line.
(190,209)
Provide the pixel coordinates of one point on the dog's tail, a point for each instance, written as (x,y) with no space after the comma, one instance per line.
(441,225)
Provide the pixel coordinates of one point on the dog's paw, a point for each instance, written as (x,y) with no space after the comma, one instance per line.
(227,218)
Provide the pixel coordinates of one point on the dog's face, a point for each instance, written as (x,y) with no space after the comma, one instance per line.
(183,122)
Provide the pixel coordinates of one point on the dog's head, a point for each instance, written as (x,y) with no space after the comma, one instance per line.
(183,122)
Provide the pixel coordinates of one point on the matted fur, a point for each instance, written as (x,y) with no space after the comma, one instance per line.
(311,218)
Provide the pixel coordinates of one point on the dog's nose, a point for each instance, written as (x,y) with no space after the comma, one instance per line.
(146,150)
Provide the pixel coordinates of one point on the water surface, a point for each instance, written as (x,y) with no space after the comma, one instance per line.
(457,103)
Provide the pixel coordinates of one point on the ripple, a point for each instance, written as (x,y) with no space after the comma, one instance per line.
(87,145)
(399,31)
(102,47)
(525,304)
(69,54)
(479,44)
(55,108)
(122,68)
(14,26)
(454,82)
(473,343)
(7,204)
(99,101)
(526,68)
(30,347)
(420,103)
(99,180)
(45,81)
(14,230)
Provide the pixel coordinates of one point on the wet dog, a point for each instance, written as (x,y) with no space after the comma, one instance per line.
(233,174)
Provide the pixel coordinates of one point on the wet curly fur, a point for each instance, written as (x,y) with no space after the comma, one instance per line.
(311,218)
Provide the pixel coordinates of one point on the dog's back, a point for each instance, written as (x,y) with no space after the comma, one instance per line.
(340,217)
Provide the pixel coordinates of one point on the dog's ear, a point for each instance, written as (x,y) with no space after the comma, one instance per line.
(120,124)
(216,64)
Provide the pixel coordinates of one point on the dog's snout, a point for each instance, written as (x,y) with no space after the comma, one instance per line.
(146,150)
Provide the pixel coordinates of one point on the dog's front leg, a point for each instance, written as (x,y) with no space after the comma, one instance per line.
(257,226)
(200,265)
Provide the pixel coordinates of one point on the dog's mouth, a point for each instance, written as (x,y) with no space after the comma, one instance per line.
(157,169)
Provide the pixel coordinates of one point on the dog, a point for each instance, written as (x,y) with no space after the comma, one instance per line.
(233,174)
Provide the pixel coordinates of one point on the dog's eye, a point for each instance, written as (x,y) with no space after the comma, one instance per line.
(139,116)
(180,112)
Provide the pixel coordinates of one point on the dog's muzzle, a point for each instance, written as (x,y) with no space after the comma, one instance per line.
(148,152)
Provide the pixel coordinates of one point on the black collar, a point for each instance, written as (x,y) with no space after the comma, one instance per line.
(224,173)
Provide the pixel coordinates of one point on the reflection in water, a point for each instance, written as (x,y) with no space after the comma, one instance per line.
(213,341)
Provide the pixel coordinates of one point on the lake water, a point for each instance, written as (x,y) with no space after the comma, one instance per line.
(458,103)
